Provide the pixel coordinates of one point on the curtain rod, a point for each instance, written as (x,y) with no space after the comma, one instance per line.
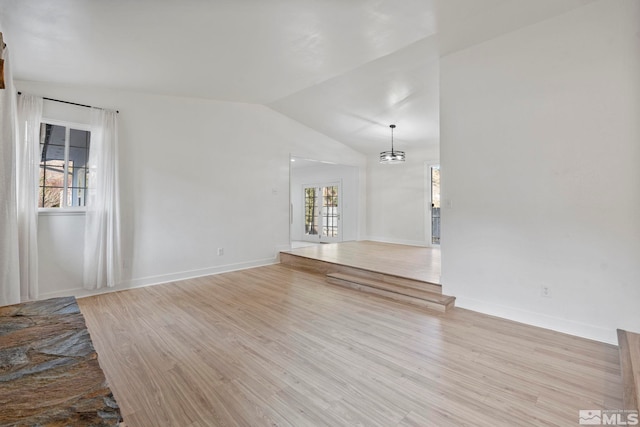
(71,103)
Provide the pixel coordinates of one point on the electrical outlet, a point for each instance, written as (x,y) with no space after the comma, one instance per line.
(220,251)
(545,291)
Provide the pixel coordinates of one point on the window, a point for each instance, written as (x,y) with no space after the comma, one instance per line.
(435,205)
(63,165)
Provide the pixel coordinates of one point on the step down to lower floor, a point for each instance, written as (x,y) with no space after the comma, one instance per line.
(325,267)
(629,344)
(431,300)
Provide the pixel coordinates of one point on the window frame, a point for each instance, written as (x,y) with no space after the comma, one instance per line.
(68,125)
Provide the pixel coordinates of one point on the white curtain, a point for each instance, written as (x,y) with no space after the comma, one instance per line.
(9,264)
(27,170)
(102,229)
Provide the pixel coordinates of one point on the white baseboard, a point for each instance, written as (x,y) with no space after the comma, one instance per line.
(160,279)
(540,320)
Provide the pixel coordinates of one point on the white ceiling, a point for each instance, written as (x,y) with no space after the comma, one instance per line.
(347,68)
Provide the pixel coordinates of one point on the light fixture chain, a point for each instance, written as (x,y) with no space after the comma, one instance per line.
(392,128)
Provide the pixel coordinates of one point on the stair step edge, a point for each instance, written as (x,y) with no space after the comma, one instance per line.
(407,299)
(398,289)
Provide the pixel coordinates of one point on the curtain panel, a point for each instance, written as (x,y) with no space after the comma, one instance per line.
(27,172)
(9,259)
(102,262)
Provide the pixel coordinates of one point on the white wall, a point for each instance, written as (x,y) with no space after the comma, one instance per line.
(60,251)
(540,155)
(398,198)
(196,175)
(347,176)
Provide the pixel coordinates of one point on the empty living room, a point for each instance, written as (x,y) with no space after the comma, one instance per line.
(300,213)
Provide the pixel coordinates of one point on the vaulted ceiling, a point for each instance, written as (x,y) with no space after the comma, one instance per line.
(347,68)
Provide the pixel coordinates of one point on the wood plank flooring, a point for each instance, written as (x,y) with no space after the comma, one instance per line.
(275,346)
(629,344)
(412,262)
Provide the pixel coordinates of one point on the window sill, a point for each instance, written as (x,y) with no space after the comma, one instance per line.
(64,212)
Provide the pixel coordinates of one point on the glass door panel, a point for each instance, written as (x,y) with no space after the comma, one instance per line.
(310,211)
(322,213)
(435,205)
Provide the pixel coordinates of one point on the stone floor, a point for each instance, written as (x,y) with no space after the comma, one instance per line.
(49,371)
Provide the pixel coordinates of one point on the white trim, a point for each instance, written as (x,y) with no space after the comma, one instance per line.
(537,319)
(160,279)
(62,211)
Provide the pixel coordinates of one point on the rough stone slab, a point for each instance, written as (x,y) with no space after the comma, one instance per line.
(49,371)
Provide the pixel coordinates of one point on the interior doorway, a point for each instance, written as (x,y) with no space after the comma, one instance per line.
(324,199)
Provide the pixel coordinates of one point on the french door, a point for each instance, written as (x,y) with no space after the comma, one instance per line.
(322,211)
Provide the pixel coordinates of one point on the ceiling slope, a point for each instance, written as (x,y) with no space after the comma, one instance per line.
(347,69)
(253,51)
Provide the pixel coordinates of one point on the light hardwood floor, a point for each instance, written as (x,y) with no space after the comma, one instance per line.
(412,262)
(629,343)
(275,346)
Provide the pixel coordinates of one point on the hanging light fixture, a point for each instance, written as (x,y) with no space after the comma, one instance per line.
(394,156)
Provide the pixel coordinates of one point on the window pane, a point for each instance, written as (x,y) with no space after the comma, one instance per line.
(51,165)
(52,173)
(41,196)
(435,205)
(310,211)
(52,134)
(79,138)
(435,186)
(76,186)
(330,217)
(78,156)
(51,197)
(52,152)
(75,196)
(77,177)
